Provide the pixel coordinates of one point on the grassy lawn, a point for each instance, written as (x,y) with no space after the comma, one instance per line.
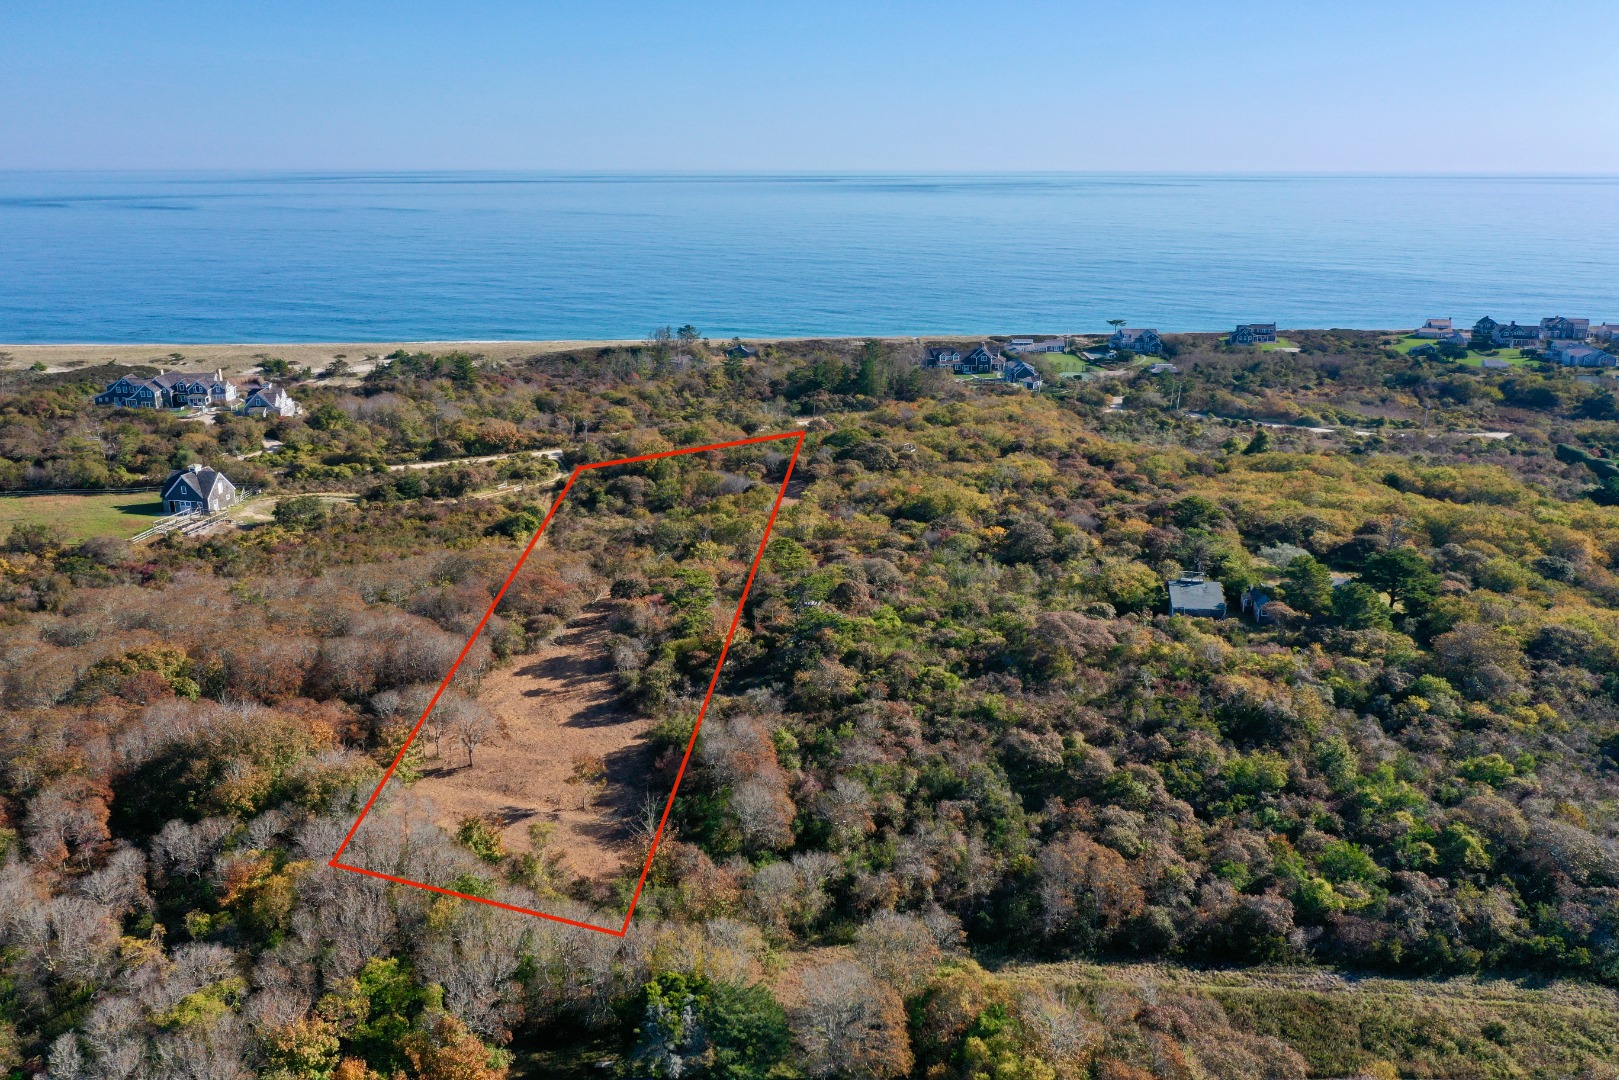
(1515,357)
(1411,341)
(1062,362)
(83,516)
(1279,343)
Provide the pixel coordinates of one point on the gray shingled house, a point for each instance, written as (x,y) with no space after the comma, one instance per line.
(1252,334)
(1143,340)
(198,488)
(1197,596)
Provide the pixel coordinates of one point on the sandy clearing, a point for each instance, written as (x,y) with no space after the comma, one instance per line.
(560,707)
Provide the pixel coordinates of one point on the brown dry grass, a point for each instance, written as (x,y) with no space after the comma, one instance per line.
(570,756)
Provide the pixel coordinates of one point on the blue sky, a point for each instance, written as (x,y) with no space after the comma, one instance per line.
(1184,85)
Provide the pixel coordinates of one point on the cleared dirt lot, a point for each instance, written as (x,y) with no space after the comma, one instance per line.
(570,756)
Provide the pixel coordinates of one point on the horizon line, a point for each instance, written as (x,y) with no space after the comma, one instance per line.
(788,174)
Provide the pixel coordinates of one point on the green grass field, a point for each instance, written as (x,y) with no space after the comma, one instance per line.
(1064,362)
(1409,342)
(84,516)
(1515,357)
(1279,343)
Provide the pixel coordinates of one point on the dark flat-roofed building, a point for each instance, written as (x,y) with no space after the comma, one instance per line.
(1197,596)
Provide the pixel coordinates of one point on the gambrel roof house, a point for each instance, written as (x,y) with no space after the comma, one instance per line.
(195,489)
(941,356)
(1138,340)
(270,400)
(169,390)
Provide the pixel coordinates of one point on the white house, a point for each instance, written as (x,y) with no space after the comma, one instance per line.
(271,400)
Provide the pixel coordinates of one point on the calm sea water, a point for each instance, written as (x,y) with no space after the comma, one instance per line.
(358,257)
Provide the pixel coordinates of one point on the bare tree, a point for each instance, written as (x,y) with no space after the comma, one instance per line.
(473,725)
(901,950)
(848,1024)
(65,1061)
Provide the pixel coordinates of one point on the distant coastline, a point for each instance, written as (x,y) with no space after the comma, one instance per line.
(241,358)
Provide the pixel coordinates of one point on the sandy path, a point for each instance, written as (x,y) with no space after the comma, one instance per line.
(560,707)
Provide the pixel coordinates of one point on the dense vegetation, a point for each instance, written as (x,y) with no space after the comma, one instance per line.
(957,737)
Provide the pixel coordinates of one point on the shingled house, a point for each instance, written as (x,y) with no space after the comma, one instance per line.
(169,390)
(981,361)
(1197,596)
(1575,354)
(270,400)
(1023,374)
(1513,336)
(1137,340)
(1557,328)
(942,356)
(1253,334)
(197,489)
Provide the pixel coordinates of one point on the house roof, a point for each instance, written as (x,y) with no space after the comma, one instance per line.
(194,484)
(1195,593)
(171,378)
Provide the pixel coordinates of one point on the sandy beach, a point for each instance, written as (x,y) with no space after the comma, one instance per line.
(238,360)
(241,359)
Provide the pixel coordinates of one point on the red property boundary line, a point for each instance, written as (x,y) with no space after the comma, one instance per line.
(713,682)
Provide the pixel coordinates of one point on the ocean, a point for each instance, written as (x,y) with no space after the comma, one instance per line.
(204,258)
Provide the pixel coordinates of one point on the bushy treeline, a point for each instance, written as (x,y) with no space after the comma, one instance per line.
(955,724)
